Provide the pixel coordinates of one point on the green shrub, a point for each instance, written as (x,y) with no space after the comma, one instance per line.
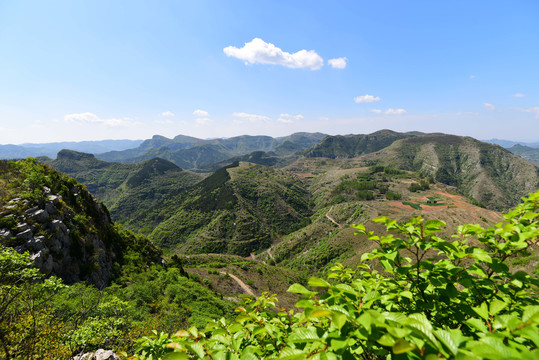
(463,303)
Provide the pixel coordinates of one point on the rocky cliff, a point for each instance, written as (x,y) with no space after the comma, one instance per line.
(66,231)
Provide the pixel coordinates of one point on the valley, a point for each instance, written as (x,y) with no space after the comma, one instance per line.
(264,219)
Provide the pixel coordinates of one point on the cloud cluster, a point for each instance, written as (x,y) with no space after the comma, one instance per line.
(288,119)
(202,117)
(390,111)
(366,99)
(261,52)
(489,106)
(200,113)
(251,118)
(518,95)
(338,63)
(167,114)
(91,118)
(534,110)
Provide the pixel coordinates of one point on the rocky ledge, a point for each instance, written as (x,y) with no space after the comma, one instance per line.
(58,241)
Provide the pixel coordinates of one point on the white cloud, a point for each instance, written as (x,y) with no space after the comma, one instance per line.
(91,118)
(204,121)
(201,113)
(534,110)
(395,112)
(261,52)
(472,77)
(518,95)
(366,98)
(390,111)
(323,118)
(338,63)
(489,106)
(167,114)
(252,118)
(288,119)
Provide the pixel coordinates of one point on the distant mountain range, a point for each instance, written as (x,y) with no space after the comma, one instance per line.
(271,187)
(509,143)
(51,149)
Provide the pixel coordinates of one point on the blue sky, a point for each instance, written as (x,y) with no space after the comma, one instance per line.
(73,70)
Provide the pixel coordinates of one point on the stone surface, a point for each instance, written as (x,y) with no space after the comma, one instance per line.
(25,235)
(97,355)
(5,233)
(40,215)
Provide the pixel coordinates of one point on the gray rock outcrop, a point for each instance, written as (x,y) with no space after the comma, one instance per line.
(57,241)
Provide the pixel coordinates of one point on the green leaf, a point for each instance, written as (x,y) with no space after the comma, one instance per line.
(531,313)
(482,310)
(496,306)
(175,356)
(402,346)
(446,338)
(249,353)
(196,348)
(477,324)
(398,332)
(407,294)
(317,282)
(300,289)
(338,344)
(481,255)
(301,335)
(338,320)
(386,340)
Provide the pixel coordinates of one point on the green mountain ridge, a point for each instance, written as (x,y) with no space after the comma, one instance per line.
(487,173)
(132,192)
(239,209)
(192,153)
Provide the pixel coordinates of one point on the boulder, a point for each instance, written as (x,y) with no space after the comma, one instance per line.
(40,216)
(97,355)
(50,208)
(22,227)
(5,234)
(35,244)
(25,235)
(55,199)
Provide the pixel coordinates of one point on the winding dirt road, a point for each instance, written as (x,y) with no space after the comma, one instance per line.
(243,285)
(331,219)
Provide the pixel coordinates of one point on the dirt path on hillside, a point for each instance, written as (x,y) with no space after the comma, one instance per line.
(331,219)
(243,285)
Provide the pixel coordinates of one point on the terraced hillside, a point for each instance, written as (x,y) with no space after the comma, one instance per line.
(488,173)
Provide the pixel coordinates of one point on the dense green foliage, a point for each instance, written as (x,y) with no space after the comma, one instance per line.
(450,298)
(46,319)
(133,193)
(236,214)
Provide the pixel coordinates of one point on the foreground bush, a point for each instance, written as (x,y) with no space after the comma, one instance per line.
(435,298)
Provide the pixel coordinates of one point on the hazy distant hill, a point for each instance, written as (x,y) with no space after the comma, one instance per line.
(509,143)
(192,153)
(528,153)
(50,149)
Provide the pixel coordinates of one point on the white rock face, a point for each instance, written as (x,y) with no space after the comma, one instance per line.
(97,355)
